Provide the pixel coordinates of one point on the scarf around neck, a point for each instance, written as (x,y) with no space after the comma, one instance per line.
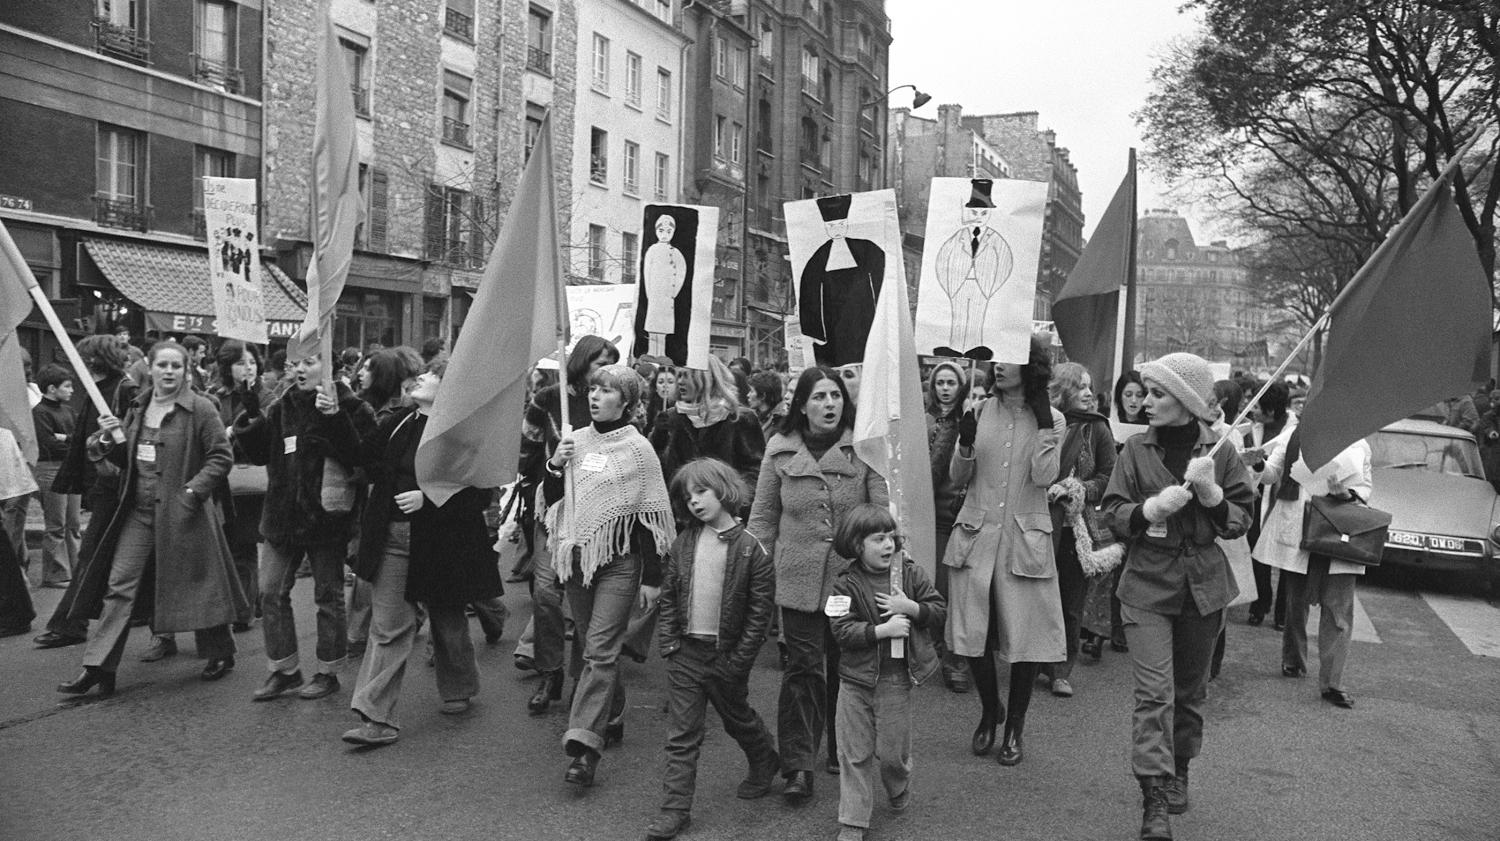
(703,415)
(616,483)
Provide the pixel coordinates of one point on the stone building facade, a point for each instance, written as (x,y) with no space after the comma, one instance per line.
(818,127)
(110,114)
(1034,155)
(1196,298)
(448,94)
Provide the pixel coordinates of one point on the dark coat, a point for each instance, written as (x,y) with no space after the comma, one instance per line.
(293,515)
(736,441)
(838,306)
(859,650)
(453,561)
(77,475)
(1087,453)
(196,585)
(747,603)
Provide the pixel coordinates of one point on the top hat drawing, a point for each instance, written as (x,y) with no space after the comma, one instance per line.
(979,193)
(835,208)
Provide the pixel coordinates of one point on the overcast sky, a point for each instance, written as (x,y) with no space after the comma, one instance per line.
(1083,64)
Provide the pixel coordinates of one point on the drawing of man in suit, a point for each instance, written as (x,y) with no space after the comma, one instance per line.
(972,266)
(839,287)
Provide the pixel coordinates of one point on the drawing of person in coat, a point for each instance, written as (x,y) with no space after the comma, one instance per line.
(839,287)
(972,266)
(664,302)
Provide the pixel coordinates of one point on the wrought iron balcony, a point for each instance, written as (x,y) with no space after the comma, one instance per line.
(539,60)
(119,41)
(459,25)
(122,213)
(455,132)
(217,74)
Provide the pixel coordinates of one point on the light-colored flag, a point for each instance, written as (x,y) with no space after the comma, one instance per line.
(336,206)
(519,316)
(16,281)
(890,432)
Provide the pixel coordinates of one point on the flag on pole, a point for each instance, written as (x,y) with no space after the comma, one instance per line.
(336,206)
(16,281)
(1087,309)
(519,316)
(1412,328)
(889,432)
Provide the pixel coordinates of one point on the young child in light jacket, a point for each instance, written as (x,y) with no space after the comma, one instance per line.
(873,719)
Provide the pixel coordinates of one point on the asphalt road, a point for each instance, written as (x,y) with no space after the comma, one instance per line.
(170,757)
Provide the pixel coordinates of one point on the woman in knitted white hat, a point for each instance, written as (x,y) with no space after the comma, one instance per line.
(1176,580)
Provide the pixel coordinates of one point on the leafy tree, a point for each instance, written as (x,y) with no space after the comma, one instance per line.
(1314,125)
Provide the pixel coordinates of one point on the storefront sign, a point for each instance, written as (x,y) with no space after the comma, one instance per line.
(172,322)
(231,215)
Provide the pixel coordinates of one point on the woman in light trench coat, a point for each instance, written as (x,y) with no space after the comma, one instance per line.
(1002,576)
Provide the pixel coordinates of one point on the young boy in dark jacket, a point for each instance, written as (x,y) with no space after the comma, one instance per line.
(717,596)
(873,718)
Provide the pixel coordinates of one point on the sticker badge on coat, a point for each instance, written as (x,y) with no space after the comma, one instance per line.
(145,453)
(594,462)
(836,606)
(1157,530)
(289,445)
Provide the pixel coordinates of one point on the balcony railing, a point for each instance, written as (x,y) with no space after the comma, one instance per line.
(361,100)
(122,213)
(539,60)
(455,132)
(867,122)
(217,74)
(120,41)
(459,25)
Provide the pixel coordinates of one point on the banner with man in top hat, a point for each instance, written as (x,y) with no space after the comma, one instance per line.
(838,253)
(978,285)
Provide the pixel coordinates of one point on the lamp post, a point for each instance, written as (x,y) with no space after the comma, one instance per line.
(918,98)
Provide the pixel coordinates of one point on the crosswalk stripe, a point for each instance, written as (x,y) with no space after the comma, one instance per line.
(1474,621)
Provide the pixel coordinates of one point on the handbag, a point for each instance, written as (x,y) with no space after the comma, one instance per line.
(1345,529)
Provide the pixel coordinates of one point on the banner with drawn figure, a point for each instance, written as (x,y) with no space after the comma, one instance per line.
(979,265)
(606,310)
(231,214)
(843,250)
(674,307)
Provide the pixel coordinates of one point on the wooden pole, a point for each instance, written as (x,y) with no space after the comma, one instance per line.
(84,377)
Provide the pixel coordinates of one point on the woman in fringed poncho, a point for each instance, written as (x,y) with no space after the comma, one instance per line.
(608,533)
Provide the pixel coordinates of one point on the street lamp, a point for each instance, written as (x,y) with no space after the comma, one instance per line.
(917,101)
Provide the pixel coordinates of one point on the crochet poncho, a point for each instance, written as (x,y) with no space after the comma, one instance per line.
(616,482)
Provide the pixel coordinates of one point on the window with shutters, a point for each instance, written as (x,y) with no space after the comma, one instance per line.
(457,91)
(451,230)
(539,40)
(374,186)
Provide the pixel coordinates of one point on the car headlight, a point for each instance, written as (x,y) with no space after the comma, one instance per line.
(1495,535)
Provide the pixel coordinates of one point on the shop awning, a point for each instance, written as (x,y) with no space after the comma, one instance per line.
(171,285)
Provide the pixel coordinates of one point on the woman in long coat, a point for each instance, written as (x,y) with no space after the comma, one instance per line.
(174,458)
(1002,576)
(810,477)
(415,551)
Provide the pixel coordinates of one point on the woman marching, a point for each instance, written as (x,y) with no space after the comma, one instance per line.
(1176,580)
(174,457)
(414,551)
(708,421)
(609,529)
(1001,572)
(244,494)
(809,479)
(947,390)
(1086,459)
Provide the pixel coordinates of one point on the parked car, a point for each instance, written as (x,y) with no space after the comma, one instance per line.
(1445,516)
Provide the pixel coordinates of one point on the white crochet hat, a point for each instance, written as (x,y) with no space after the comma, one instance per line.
(1185,377)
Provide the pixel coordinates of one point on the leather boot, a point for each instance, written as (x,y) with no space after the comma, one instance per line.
(549,690)
(1176,790)
(581,770)
(1155,823)
(1010,743)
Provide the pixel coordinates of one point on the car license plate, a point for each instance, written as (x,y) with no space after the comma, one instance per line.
(1402,538)
(1448,544)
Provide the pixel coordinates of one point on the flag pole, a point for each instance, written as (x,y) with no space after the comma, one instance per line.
(16,258)
(1385,245)
(1125,304)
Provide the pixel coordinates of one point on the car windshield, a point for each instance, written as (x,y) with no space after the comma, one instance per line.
(1452,456)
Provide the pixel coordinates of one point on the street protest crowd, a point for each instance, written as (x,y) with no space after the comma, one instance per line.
(700,513)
